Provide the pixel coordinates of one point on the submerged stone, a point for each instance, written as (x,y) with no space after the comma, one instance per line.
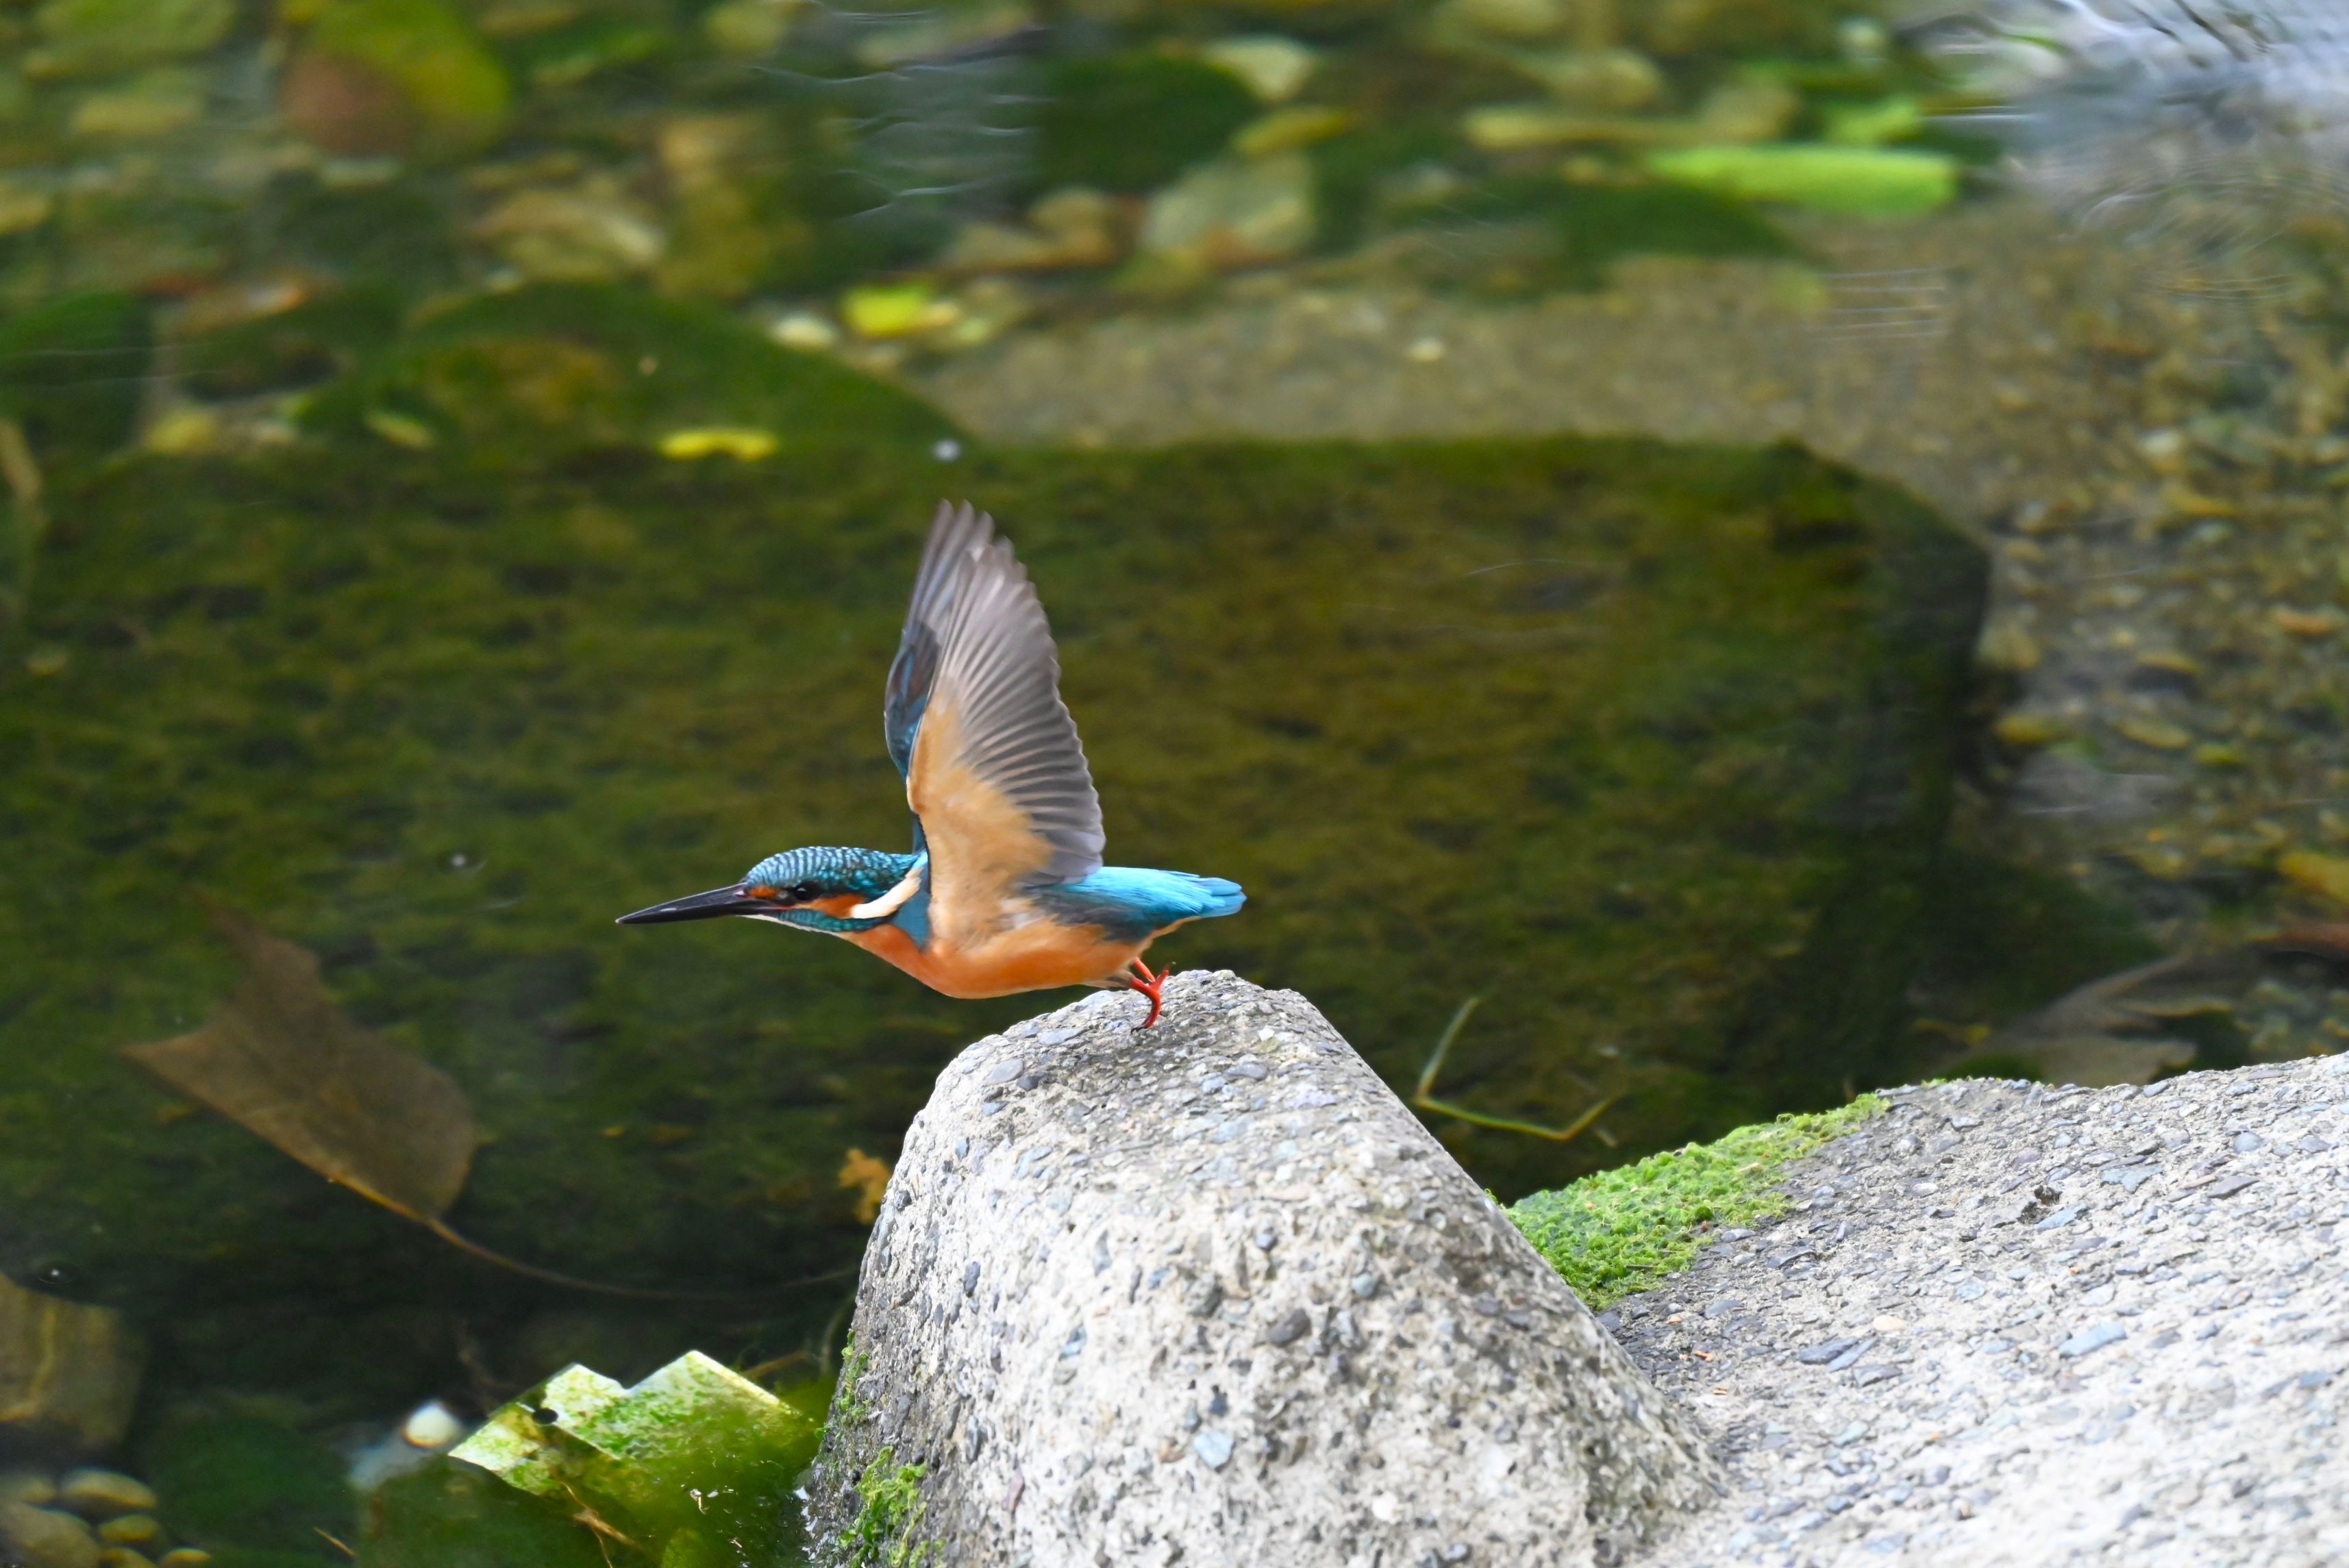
(1234,213)
(44,1538)
(696,1463)
(104,1493)
(234,1484)
(92,37)
(1134,122)
(69,1373)
(567,366)
(446,1514)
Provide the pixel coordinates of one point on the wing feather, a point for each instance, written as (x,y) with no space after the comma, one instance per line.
(994,770)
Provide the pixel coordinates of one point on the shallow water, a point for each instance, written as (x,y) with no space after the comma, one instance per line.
(1758,625)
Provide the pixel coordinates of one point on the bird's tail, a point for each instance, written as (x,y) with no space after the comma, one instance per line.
(1214,895)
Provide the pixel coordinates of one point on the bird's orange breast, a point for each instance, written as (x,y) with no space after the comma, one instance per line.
(1035,956)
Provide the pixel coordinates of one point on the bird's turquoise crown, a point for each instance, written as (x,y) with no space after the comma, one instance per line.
(828,870)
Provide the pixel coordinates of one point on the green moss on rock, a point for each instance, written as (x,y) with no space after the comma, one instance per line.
(695,1464)
(1619,1231)
(882,1534)
(453,1515)
(246,1482)
(514,378)
(70,372)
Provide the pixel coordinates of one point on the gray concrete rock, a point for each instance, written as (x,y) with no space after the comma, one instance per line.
(2016,1325)
(1211,1294)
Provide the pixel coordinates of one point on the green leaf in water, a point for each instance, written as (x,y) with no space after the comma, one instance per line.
(1876,181)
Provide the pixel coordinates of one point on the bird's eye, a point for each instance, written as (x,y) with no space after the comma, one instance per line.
(801,892)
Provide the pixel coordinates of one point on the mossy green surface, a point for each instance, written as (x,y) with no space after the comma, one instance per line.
(453,1515)
(1133,121)
(884,1532)
(516,379)
(1616,1232)
(72,370)
(1649,746)
(695,1465)
(246,1482)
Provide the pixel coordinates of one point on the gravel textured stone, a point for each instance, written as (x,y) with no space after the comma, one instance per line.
(1212,1295)
(2009,1324)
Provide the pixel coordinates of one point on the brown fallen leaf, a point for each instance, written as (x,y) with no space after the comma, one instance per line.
(2328,941)
(870,1177)
(282,1060)
(2112,1031)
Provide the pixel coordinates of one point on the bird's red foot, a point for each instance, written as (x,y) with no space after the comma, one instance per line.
(1148,985)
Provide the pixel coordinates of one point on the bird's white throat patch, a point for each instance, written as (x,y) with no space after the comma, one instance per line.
(890,902)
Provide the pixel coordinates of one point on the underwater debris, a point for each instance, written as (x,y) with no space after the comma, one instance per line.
(693,1465)
(284,1062)
(742,444)
(1424,1095)
(2123,1028)
(868,1177)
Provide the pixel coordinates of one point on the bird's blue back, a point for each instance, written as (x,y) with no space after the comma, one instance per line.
(1131,902)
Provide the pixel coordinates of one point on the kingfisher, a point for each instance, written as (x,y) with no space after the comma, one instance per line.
(1004,889)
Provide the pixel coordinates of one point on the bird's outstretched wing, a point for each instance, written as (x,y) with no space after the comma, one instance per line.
(993,768)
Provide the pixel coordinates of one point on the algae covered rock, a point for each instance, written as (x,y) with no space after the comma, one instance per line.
(70,369)
(696,1464)
(453,1515)
(46,1538)
(1649,746)
(1281,1324)
(563,366)
(1133,121)
(236,1484)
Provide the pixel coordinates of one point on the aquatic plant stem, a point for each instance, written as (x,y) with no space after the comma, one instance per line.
(474,1249)
(22,471)
(1422,1096)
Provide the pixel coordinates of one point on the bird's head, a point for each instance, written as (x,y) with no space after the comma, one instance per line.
(821,889)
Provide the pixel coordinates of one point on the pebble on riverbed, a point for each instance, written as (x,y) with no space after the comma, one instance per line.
(85,1518)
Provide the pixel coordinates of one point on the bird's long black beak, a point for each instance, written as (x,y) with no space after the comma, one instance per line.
(735,899)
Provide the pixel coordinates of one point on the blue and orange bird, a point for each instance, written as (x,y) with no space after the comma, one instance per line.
(1005,890)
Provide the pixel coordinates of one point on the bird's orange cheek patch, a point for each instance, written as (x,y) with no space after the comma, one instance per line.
(839,904)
